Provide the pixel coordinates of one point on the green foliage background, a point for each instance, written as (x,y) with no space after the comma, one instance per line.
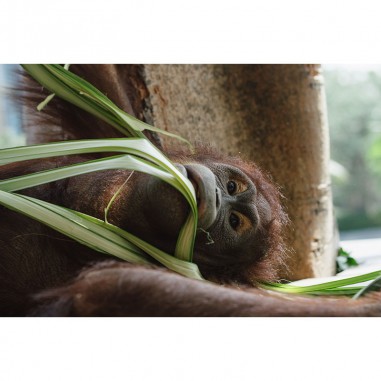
(354,113)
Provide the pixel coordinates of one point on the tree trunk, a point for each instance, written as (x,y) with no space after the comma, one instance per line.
(272,114)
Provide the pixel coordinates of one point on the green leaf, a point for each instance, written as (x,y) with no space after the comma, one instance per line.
(74,226)
(96,234)
(153,161)
(182,267)
(344,261)
(373,286)
(79,92)
(330,287)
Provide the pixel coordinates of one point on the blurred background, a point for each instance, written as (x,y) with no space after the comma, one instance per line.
(10,120)
(354,112)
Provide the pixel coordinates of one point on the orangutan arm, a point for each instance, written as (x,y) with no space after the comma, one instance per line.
(119,289)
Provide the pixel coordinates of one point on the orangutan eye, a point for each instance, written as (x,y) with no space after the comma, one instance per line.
(234,221)
(231,186)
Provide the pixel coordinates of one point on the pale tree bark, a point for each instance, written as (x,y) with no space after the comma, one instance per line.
(272,114)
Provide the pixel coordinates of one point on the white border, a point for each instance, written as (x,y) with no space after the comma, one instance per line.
(190,31)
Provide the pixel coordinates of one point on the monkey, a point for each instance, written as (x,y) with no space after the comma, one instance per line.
(239,241)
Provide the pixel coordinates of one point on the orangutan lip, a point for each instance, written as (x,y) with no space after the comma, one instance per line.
(184,171)
(196,189)
(197,184)
(204,184)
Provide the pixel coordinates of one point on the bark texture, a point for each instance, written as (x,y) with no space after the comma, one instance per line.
(272,114)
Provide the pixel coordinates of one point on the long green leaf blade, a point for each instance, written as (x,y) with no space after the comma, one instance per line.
(373,286)
(134,146)
(74,226)
(324,286)
(114,162)
(182,267)
(81,93)
(45,77)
